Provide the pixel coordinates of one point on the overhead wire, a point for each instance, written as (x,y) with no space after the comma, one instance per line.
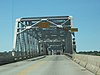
(12,11)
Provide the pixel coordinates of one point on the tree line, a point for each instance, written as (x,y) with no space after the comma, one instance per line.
(97,53)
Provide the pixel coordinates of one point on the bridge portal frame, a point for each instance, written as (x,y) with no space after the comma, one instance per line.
(26,44)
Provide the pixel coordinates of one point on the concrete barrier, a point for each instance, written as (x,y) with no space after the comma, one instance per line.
(98,72)
(92,63)
(92,68)
(76,58)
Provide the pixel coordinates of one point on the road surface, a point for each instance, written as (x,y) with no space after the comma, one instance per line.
(50,65)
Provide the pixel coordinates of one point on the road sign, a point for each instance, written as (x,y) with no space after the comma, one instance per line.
(43,25)
(74,29)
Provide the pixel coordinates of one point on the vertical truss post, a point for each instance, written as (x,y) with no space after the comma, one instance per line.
(24,44)
(28,46)
(20,42)
(15,42)
(33,42)
(69,42)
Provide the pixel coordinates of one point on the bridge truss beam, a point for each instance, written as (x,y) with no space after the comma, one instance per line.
(33,34)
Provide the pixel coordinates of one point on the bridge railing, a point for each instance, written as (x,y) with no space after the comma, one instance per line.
(92,63)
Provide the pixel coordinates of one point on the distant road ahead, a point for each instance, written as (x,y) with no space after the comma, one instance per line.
(51,65)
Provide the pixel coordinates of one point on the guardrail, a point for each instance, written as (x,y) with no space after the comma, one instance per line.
(10,59)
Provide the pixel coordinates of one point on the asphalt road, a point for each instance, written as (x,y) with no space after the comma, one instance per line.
(50,65)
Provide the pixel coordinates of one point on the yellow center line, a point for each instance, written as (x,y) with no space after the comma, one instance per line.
(30,68)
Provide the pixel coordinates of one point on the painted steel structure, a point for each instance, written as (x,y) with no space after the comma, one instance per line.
(40,35)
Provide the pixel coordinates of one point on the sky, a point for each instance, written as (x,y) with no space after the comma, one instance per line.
(86,14)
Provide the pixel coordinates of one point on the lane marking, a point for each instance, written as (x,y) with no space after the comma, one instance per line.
(30,68)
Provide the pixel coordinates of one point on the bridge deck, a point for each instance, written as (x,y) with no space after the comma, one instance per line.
(51,65)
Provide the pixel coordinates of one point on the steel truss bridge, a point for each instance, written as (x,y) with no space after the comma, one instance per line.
(52,40)
(44,35)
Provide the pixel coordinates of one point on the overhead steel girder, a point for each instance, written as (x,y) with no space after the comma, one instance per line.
(49,17)
(27,24)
